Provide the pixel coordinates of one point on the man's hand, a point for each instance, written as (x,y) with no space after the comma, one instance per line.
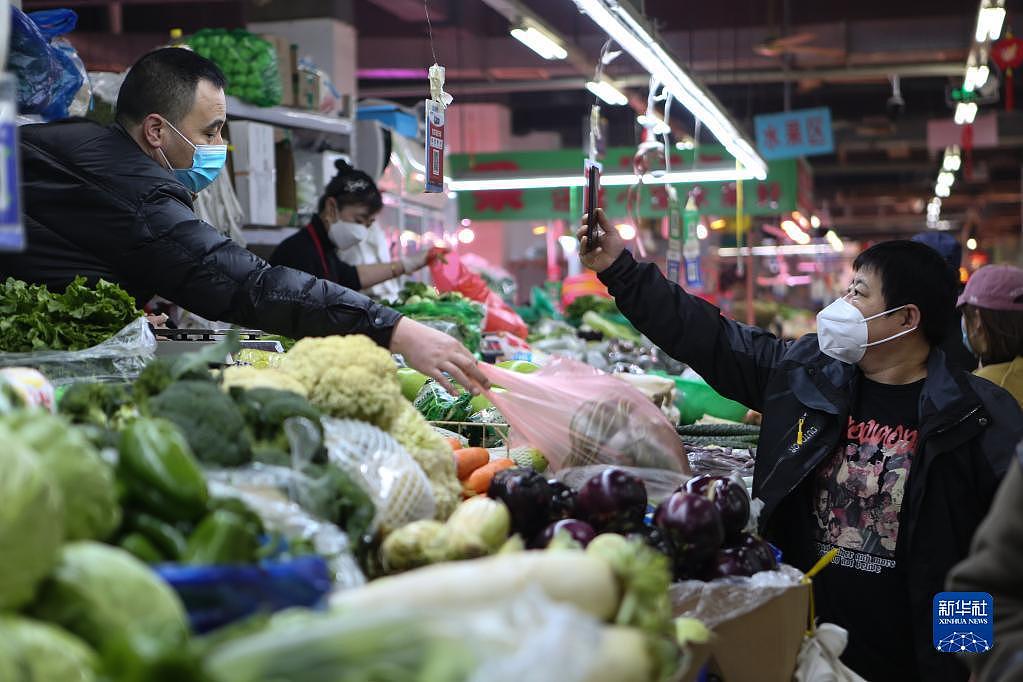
(433,353)
(609,244)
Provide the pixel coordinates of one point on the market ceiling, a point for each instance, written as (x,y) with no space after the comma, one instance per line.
(875,185)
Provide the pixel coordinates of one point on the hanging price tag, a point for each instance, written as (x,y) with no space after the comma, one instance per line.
(691,251)
(12,233)
(434,146)
(676,233)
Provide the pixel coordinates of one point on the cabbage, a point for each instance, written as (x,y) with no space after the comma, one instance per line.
(103,595)
(86,482)
(40,652)
(31,524)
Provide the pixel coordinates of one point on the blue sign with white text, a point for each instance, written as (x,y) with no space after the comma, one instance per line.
(792,134)
(964,622)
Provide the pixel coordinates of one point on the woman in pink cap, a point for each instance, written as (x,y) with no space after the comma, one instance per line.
(992,305)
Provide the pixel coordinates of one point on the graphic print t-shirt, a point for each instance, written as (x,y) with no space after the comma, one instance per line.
(857,496)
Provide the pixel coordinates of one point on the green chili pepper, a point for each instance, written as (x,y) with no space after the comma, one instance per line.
(222,538)
(138,545)
(159,472)
(166,538)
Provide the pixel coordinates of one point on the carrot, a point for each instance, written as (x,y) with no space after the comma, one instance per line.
(479,480)
(469,460)
(454,443)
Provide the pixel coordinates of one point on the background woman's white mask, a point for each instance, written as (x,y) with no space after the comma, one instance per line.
(345,235)
(842,331)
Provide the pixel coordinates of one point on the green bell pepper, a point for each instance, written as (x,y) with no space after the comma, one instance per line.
(159,472)
(223,537)
(166,538)
(138,545)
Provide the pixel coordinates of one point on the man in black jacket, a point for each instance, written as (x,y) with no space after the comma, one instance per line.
(869,443)
(116,203)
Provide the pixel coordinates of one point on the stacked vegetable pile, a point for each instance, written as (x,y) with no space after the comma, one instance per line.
(248,61)
(450,312)
(33,318)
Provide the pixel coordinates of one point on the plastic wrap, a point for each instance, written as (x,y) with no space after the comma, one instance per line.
(248,61)
(260,488)
(450,274)
(119,358)
(578,416)
(718,461)
(399,488)
(727,598)
(50,75)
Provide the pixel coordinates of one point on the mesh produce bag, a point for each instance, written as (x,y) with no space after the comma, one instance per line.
(578,416)
(248,61)
(397,485)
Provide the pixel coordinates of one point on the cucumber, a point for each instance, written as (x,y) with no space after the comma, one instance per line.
(731,430)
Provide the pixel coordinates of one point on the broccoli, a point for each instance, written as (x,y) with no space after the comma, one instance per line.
(265,410)
(210,420)
(160,373)
(98,404)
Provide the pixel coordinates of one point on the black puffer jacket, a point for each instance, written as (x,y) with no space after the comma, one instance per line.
(968,432)
(95,205)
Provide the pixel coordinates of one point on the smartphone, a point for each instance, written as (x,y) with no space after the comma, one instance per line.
(591,171)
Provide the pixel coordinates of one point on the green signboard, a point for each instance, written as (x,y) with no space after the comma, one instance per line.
(779,193)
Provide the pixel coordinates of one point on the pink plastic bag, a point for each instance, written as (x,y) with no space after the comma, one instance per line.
(454,276)
(578,416)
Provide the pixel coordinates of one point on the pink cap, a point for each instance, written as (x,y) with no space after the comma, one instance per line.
(995,287)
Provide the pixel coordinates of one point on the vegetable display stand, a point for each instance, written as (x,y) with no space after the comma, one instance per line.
(478,434)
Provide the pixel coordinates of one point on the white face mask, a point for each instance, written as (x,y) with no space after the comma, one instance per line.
(842,331)
(345,235)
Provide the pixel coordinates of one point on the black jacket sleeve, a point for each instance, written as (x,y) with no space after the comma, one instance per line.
(186,261)
(734,358)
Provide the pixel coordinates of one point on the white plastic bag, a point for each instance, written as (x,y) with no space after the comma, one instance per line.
(819,657)
(399,488)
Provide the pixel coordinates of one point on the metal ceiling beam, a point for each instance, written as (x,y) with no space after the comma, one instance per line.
(906,71)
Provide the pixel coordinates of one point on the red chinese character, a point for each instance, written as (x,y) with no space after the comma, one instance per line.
(561,200)
(659,198)
(622,196)
(710,158)
(815,131)
(497,200)
(698,196)
(771,137)
(728,194)
(793,132)
(768,193)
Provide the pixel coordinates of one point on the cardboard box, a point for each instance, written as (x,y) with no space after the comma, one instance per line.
(762,645)
(287,191)
(254,166)
(287,66)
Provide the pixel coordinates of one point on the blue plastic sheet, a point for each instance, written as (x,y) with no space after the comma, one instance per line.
(215,596)
(49,74)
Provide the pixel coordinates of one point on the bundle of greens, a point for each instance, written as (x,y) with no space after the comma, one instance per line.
(423,303)
(33,318)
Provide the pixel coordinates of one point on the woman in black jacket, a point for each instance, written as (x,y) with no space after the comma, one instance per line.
(346,211)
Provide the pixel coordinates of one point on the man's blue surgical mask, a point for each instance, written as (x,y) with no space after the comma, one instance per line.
(206,163)
(966,337)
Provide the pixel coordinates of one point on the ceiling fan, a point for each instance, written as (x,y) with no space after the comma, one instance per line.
(795,44)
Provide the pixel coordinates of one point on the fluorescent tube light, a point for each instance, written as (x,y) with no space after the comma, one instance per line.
(966,112)
(783,250)
(607,92)
(621,26)
(539,42)
(608,180)
(989,22)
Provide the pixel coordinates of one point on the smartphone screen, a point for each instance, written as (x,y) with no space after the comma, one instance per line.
(591,171)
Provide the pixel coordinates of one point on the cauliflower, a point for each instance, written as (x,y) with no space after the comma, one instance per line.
(433,455)
(348,377)
(242,376)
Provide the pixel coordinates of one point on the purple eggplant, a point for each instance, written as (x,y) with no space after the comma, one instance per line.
(693,524)
(562,502)
(761,556)
(613,501)
(528,497)
(730,498)
(731,562)
(580,531)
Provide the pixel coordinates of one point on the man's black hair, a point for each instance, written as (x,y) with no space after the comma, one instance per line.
(164,82)
(911,272)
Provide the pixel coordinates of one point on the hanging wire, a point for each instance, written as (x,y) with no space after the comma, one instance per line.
(429,28)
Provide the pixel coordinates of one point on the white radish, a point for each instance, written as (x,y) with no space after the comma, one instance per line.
(622,656)
(573,577)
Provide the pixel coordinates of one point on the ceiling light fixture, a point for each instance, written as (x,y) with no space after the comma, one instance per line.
(627,30)
(835,241)
(946,178)
(658,126)
(952,160)
(976,77)
(627,232)
(971,244)
(966,112)
(989,20)
(607,92)
(942,191)
(794,233)
(539,41)
(609,180)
